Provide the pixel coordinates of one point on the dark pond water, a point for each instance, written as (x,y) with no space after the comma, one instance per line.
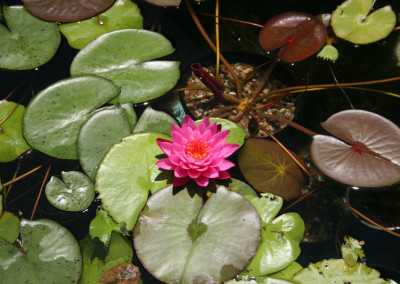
(362,63)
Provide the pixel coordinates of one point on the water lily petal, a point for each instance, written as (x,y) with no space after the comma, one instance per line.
(165,145)
(181,181)
(210,173)
(193,173)
(165,164)
(224,165)
(180,173)
(202,181)
(223,175)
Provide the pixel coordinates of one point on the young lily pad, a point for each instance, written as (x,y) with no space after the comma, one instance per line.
(351,251)
(365,152)
(268,168)
(97,258)
(236,133)
(165,3)
(104,128)
(26,42)
(127,173)
(74,193)
(155,121)
(50,254)
(181,240)
(129,66)
(66,11)
(280,237)
(354,21)
(103,225)
(329,52)
(54,116)
(124,14)
(300,35)
(9,226)
(12,143)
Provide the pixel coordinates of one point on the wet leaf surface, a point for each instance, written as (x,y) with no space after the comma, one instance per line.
(103,225)
(153,120)
(125,273)
(9,226)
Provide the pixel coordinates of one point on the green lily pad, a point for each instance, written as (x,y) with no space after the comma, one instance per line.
(97,258)
(351,251)
(9,226)
(164,3)
(54,116)
(50,254)
(181,240)
(26,42)
(74,193)
(127,173)
(329,52)
(124,14)
(288,272)
(1,200)
(103,225)
(104,128)
(130,114)
(123,57)
(257,280)
(155,121)
(354,21)
(12,143)
(234,185)
(280,238)
(236,134)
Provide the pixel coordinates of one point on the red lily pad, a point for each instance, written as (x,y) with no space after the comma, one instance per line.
(300,35)
(365,152)
(66,11)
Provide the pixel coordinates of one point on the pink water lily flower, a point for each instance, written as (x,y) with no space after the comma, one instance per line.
(197,152)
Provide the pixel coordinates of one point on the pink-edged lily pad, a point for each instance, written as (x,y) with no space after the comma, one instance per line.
(66,11)
(300,35)
(365,152)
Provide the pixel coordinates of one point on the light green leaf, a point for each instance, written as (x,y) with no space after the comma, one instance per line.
(123,57)
(268,206)
(329,52)
(54,116)
(50,255)
(354,21)
(351,251)
(104,128)
(74,193)
(155,121)
(31,42)
(127,173)
(192,242)
(130,115)
(9,226)
(124,14)
(257,280)
(288,272)
(12,143)
(103,225)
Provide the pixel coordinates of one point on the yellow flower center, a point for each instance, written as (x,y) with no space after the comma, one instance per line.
(197,149)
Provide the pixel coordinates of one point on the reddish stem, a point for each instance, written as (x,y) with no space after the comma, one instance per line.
(40,192)
(274,102)
(216,87)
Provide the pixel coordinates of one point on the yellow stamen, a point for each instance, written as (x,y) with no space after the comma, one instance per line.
(197,149)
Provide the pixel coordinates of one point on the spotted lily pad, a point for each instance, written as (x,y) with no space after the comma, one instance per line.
(181,239)
(66,11)
(123,57)
(127,173)
(280,238)
(26,42)
(236,134)
(12,143)
(155,121)
(354,21)
(9,226)
(124,14)
(54,116)
(363,153)
(104,128)
(49,254)
(103,225)
(74,193)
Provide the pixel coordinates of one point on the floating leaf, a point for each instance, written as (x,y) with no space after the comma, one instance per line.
(74,193)
(354,21)
(268,168)
(367,154)
(236,134)
(288,272)
(103,225)
(192,242)
(124,273)
(280,237)
(165,3)
(26,42)
(129,67)
(300,35)
(155,121)
(329,52)
(66,11)
(257,280)
(234,185)
(1,200)
(9,226)
(50,254)
(351,251)
(97,258)
(54,116)
(104,128)
(127,173)
(130,114)
(124,14)
(12,143)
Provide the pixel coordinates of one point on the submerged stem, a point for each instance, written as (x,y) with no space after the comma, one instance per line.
(263,80)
